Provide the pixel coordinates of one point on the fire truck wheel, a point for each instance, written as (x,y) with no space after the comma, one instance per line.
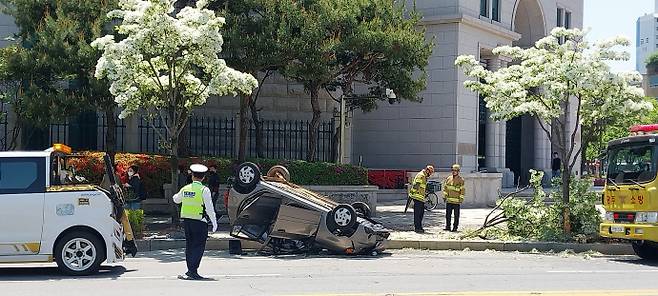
(646,250)
(79,253)
(246,178)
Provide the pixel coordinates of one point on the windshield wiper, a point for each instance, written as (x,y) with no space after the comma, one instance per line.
(634,182)
(613,182)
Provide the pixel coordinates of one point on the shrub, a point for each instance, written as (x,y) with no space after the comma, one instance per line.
(136,219)
(154,170)
(536,220)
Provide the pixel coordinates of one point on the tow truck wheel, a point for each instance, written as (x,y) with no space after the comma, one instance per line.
(645,250)
(246,178)
(79,253)
(344,217)
(279,170)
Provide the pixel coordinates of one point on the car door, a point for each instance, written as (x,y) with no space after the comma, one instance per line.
(22,193)
(255,217)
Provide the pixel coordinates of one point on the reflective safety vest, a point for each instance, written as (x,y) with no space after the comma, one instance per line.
(418,187)
(453,190)
(192,201)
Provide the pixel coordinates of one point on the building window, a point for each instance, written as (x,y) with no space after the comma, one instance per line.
(567,20)
(484,8)
(495,10)
(560,13)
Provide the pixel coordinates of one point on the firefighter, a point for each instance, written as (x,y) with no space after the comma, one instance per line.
(453,194)
(196,210)
(417,194)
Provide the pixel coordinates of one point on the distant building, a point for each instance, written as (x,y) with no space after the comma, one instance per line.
(646,39)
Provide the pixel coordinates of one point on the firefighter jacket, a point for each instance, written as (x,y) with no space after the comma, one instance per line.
(419,186)
(453,190)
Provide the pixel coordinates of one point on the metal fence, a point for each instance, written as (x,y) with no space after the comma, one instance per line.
(120,133)
(62,133)
(289,140)
(211,137)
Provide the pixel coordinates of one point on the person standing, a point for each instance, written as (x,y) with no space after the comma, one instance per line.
(213,182)
(453,194)
(196,210)
(556,165)
(417,194)
(134,188)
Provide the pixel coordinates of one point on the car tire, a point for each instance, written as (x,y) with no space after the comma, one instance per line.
(247,177)
(362,209)
(79,253)
(645,250)
(276,170)
(344,217)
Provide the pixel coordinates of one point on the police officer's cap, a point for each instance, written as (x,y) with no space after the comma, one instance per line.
(198,168)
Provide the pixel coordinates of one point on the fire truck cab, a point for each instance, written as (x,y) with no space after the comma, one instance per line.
(630,196)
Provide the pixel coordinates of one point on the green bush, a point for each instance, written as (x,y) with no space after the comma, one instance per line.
(136,219)
(154,170)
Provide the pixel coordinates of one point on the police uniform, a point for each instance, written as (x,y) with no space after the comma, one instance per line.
(196,209)
(453,194)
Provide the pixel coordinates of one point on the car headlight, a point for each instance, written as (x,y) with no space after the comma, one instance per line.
(646,217)
(609,216)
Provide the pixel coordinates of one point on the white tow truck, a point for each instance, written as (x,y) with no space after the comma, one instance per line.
(49,214)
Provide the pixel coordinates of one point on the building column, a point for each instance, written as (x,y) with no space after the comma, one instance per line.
(495,130)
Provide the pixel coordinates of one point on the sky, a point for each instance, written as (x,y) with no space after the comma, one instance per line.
(609,18)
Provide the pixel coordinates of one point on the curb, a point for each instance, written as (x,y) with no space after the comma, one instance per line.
(605,249)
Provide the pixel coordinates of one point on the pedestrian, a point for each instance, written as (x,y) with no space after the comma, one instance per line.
(213,182)
(135,192)
(196,211)
(556,164)
(417,194)
(453,194)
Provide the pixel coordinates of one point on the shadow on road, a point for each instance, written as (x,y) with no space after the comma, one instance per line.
(23,273)
(170,256)
(635,261)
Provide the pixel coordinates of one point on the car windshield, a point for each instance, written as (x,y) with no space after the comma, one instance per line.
(632,163)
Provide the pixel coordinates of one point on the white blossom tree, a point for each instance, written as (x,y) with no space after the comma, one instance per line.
(554,79)
(167,64)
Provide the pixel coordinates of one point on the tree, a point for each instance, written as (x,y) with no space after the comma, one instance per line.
(55,63)
(337,44)
(254,44)
(552,80)
(167,65)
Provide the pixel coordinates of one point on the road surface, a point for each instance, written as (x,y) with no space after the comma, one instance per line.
(404,272)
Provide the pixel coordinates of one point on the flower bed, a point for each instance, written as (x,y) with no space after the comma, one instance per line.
(155,170)
(388,179)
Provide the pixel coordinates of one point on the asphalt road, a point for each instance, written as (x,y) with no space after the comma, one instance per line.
(405,272)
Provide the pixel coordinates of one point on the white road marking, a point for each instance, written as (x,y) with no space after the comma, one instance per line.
(603,271)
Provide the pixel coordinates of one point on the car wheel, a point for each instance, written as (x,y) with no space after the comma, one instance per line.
(362,209)
(277,171)
(645,250)
(79,253)
(246,177)
(344,217)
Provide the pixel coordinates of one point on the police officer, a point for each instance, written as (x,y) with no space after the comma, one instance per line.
(196,210)
(453,194)
(417,194)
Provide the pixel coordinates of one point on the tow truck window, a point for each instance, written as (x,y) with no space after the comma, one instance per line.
(635,163)
(22,175)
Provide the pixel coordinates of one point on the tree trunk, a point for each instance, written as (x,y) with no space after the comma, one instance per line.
(583,156)
(258,126)
(111,131)
(315,125)
(566,180)
(244,129)
(173,162)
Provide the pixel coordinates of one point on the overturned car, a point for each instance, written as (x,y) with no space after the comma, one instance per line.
(286,217)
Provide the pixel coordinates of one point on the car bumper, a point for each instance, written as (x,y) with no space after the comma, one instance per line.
(629,231)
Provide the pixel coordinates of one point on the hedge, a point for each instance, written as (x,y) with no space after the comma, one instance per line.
(155,170)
